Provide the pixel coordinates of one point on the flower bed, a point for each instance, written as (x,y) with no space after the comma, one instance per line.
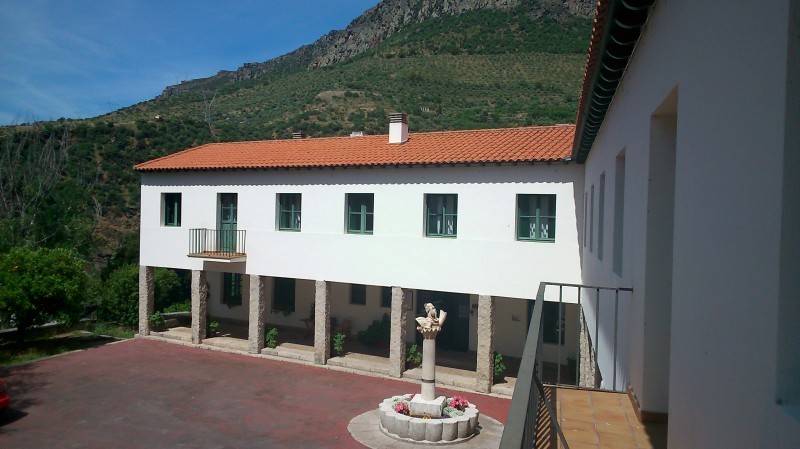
(459,422)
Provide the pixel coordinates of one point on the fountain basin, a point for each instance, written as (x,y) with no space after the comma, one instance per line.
(427,430)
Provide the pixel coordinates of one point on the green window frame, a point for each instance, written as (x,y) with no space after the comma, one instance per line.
(172,209)
(536,218)
(360,213)
(441,215)
(289,211)
(283,295)
(386,297)
(232,289)
(358,294)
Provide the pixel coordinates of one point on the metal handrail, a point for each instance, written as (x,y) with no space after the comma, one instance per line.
(225,243)
(521,424)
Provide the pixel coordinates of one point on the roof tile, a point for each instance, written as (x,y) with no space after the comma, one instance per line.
(528,144)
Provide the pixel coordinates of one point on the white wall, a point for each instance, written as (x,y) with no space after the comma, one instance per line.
(484,258)
(728,63)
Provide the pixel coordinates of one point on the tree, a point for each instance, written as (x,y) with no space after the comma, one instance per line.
(41,285)
(31,165)
(120,301)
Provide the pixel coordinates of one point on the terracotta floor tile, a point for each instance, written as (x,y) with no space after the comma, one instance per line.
(603,420)
(610,413)
(574,400)
(581,417)
(608,440)
(610,418)
(583,426)
(615,428)
(579,445)
(580,436)
(607,398)
(577,408)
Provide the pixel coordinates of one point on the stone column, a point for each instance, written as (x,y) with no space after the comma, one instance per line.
(322,322)
(199,305)
(255,335)
(429,367)
(485,357)
(587,365)
(401,299)
(146,294)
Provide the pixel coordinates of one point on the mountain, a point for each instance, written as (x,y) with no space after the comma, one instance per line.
(376,25)
(449,64)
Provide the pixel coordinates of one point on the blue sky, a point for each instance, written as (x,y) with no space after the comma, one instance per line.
(79,59)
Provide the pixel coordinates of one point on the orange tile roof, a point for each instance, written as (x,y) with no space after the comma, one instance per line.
(528,144)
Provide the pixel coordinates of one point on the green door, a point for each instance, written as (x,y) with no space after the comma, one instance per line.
(227,221)
(455,332)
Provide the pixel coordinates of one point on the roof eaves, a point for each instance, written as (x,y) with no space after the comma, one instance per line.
(618,27)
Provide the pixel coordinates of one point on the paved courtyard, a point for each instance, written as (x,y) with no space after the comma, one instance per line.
(148,394)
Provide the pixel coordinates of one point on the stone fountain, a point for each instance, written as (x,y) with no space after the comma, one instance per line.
(425,421)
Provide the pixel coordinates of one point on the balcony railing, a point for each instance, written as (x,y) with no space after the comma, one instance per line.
(530,403)
(217,243)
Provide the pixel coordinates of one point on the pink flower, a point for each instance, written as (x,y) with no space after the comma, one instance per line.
(458,402)
(401,408)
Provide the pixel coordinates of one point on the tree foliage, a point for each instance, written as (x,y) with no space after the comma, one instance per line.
(41,285)
(120,297)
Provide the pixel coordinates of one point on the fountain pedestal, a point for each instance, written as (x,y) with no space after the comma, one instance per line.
(421,407)
(427,403)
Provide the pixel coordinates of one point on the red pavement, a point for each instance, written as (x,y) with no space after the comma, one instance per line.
(147,394)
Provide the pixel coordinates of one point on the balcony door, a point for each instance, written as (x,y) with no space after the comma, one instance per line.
(227,216)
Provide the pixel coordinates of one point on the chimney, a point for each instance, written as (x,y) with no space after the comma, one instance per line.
(398,127)
(298,135)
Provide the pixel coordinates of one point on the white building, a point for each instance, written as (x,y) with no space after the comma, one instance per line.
(691,144)
(444,217)
(686,190)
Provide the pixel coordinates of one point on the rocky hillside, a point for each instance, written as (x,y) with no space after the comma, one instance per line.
(375,26)
(449,64)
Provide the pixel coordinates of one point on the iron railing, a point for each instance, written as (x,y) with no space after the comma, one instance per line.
(217,243)
(530,403)
(586,335)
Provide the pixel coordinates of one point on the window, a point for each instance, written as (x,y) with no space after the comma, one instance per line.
(441,215)
(289,211)
(601,215)
(553,324)
(585,218)
(619,210)
(360,210)
(536,217)
(172,209)
(591,219)
(386,297)
(232,289)
(358,294)
(283,295)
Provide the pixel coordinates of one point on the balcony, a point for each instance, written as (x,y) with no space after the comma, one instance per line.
(576,416)
(226,245)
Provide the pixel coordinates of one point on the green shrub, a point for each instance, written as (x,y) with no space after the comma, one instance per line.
(178,307)
(271,338)
(157,320)
(499,367)
(376,333)
(338,343)
(212,327)
(413,356)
